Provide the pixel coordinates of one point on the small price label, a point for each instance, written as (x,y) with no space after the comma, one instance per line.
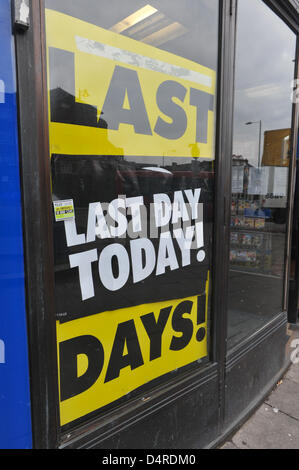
(64,210)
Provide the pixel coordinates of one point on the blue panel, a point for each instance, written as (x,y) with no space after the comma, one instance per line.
(15,420)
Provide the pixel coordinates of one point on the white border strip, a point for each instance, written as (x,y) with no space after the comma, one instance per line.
(131,58)
(2,92)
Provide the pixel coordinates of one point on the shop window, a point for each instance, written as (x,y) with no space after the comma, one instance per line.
(260,168)
(132,100)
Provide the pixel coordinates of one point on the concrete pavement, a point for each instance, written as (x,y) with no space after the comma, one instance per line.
(275,425)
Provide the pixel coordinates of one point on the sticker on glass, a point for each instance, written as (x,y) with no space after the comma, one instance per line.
(64,210)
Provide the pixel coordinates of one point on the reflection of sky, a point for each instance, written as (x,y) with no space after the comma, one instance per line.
(264,71)
(199,17)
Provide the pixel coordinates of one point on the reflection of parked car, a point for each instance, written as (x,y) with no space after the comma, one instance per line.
(143,182)
(154,182)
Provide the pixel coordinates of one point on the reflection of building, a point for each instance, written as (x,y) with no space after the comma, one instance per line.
(239,160)
(240,174)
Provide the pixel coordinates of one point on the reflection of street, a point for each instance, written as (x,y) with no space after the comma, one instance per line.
(255,293)
(254,300)
(278,247)
(257,245)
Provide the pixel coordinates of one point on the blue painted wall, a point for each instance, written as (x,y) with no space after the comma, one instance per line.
(15,420)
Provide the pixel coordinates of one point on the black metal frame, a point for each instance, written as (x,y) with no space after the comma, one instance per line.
(35,166)
(292,184)
(293,286)
(37,223)
(223,186)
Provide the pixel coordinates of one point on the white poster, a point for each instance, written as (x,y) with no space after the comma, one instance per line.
(258,181)
(237,179)
(280,185)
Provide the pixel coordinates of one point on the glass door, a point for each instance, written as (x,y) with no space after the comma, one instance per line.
(261,162)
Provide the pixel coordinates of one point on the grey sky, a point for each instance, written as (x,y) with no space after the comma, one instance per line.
(264,71)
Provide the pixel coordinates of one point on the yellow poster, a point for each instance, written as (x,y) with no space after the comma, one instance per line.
(104,357)
(132,99)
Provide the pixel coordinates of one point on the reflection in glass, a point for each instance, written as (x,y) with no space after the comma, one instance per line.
(260,168)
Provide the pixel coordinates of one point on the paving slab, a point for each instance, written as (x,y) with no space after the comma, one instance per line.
(268,429)
(229,446)
(285,398)
(293,374)
(275,425)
